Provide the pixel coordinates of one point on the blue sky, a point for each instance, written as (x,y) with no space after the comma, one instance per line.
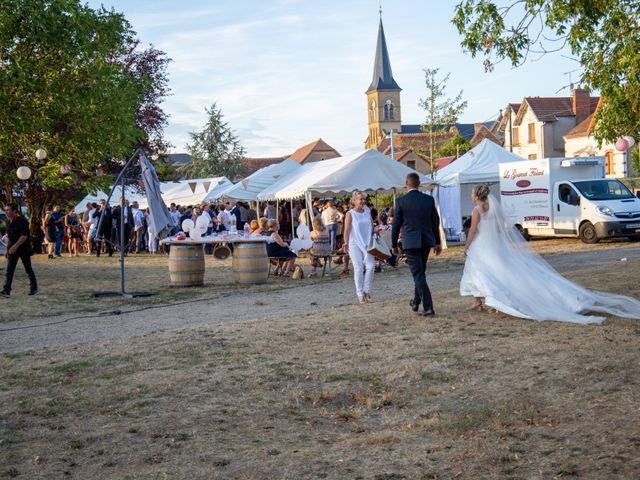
(286,72)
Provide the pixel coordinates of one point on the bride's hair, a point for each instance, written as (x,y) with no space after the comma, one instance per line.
(482,192)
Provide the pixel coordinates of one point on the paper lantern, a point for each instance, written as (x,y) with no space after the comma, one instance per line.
(629,140)
(23,173)
(64,170)
(41,154)
(622,145)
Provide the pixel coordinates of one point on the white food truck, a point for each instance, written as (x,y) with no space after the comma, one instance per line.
(568,197)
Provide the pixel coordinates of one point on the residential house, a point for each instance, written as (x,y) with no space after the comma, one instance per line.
(580,142)
(536,127)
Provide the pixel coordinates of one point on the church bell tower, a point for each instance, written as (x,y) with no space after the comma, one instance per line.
(383,96)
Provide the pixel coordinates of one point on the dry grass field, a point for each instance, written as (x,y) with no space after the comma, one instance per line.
(371,392)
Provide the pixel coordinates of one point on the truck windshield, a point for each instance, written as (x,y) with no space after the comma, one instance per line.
(603,189)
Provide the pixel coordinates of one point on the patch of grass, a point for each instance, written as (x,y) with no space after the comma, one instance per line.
(73,367)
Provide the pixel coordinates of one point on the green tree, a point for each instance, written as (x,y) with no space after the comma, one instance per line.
(69,85)
(455,146)
(215,150)
(604,36)
(441,111)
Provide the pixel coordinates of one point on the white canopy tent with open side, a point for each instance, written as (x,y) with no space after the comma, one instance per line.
(457,180)
(369,171)
(248,189)
(183,192)
(194,191)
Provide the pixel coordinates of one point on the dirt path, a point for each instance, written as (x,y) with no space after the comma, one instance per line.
(240,306)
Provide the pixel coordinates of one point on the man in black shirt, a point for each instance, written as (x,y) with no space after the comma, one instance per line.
(18,248)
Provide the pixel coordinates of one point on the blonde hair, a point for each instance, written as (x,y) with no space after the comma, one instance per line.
(354,196)
(253,225)
(262,222)
(318,225)
(272,222)
(481,191)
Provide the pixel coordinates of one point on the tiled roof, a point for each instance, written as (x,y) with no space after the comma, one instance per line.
(444,161)
(582,129)
(466,130)
(482,132)
(401,154)
(548,108)
(411,128)
(252,165)
(317,146)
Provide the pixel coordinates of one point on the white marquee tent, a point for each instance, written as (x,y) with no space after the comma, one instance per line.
(248,189)
(131,193)
(194,191)
(456,181)
(183,192)
(368,170)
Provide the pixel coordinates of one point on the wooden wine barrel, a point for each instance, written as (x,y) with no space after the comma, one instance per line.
(186,265)
(250,262)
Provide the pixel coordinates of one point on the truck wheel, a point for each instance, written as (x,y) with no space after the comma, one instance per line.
(588,233)
(523,232)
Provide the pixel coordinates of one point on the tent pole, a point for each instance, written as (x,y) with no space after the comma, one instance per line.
(293,233)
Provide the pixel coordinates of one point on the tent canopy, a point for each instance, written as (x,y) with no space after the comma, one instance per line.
(183,192)
(249,188)
(132,193)
(368,170)
(193,191)
(478,165)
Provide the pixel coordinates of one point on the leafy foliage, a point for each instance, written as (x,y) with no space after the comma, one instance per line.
(215,150)
(455,146)
(441,111)
(73,83)
(603,35)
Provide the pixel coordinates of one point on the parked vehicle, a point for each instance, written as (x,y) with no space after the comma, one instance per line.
(568,197)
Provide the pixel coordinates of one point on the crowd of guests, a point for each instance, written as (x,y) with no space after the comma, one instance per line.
(103,229)
(98,229)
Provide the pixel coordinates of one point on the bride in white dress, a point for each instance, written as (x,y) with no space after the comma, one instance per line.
(502,269)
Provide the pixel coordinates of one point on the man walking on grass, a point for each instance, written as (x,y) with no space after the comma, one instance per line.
(18,248)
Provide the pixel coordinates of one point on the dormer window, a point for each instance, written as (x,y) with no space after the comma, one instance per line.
(372,111)
(388,110)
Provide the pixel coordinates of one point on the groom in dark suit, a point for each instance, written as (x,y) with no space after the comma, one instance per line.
(415,213)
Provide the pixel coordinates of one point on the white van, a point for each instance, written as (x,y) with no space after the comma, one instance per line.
(568,197)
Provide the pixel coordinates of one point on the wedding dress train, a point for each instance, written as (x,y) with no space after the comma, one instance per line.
(514,279)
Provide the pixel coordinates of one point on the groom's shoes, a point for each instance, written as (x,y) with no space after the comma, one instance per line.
(414,305)
(429,313)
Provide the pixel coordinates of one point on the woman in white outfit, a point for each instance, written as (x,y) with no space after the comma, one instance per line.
(358,228)
(512,278)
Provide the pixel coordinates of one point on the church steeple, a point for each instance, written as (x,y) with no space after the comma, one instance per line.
(382,76)
(383,96)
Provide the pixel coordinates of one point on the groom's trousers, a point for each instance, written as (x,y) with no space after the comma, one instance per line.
(417,260)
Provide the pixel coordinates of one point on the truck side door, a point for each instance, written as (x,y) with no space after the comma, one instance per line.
(566,211)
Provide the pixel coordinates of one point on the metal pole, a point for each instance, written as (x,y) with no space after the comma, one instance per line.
(122,207)
(293,230)
(392,154)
